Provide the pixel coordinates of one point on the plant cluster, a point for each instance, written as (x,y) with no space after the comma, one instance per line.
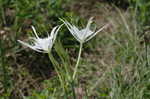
(45,44)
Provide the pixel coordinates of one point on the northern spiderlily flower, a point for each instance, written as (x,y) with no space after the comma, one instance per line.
(84,34)
(42,44)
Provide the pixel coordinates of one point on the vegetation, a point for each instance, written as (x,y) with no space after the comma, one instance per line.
(113,65)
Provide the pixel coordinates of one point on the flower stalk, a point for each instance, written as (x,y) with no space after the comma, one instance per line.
(56,66)
(78,61)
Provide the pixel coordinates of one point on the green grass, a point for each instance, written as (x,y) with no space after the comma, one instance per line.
(114,64)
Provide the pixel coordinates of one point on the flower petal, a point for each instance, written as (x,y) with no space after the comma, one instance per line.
(89,23)
(35,32)
(53,31)
(28,45)
(87,31)
(97,32)
(25,44)
(73,29)
(56,32)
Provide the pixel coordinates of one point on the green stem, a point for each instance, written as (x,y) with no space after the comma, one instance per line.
(5,82)
(73,89)
(4,69)
(56,67)
(3,13)
(66,69)
(146,52)
(77,64)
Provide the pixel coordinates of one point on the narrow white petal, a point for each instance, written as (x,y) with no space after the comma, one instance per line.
(66,23)
(35,32)
(84,33)
(76,37)
(69,26)
(25,44)
(41,51)
(97,32)
(105,26)
(76,33)
(56,32)
(28,45)
(48,34)
(89,23)
(53,31)
(73,29)
(87,29)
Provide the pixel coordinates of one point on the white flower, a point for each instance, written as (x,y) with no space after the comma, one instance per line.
(84,34)
(42,44)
